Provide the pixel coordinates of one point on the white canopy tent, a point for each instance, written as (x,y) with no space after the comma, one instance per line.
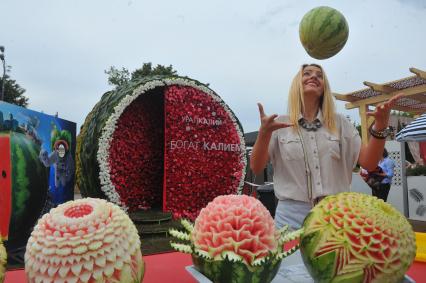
(414,131)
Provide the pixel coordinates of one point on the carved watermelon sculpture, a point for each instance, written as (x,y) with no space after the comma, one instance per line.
(234,240)
(87,240)
(353,237)
(3,261)
(158,143)
(323,32)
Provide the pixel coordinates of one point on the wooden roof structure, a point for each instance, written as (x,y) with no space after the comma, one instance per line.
(414,100)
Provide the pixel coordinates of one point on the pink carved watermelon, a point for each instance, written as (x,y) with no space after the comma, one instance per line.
(87,240)
(353,237)
(234,240)
(323,32)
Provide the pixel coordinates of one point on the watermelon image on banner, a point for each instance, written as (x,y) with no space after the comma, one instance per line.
(29,186)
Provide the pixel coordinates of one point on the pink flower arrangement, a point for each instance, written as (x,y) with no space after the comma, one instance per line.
(202,154)
(136,153)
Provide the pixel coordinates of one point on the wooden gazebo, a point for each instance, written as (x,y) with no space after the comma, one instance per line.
(414,101)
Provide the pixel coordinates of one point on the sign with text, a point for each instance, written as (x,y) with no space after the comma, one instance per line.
(203,155)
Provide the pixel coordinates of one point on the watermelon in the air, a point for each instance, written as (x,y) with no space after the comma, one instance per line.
(353,237)
(323,32)
(234,240)
(167,143)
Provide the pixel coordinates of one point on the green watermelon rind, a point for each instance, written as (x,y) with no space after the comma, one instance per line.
(317,267)
(92,177)
(226,271)
(314,265)
(323,32)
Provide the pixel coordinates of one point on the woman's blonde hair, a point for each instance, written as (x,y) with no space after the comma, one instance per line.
(296,101)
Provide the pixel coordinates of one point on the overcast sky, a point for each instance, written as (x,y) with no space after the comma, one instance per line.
(248,51)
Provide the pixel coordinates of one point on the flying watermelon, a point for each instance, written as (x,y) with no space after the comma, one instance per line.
(323,32)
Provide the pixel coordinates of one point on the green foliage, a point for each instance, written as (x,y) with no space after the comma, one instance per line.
(358,128)
(147,70)
(118,77)
(13,92)
(416,171)
(401,113)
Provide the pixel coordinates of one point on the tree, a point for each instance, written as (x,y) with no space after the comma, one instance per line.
(13,92)
(118,77)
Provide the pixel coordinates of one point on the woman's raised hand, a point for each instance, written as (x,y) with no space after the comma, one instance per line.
(268,124)
(382,112)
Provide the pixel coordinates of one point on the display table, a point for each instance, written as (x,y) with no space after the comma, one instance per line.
(170,267)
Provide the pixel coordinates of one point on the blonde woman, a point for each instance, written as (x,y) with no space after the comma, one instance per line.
(313,149)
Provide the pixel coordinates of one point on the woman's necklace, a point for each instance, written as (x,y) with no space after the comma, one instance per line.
(310,126)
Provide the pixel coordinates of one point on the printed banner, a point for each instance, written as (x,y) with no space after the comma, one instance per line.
(36,168)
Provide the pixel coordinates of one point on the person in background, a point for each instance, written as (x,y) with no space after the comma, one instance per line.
(313,150)
(374,178)
(387,165)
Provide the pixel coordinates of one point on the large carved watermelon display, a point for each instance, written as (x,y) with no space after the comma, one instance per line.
(323,32)
(234,240)
(87,240)
(353,237)
(169,143)
(23,184)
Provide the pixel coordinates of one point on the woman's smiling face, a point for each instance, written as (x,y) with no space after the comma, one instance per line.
(313,81)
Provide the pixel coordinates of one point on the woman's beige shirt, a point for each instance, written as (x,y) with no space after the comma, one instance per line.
(331,159)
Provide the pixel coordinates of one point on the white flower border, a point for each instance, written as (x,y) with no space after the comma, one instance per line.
(107,132)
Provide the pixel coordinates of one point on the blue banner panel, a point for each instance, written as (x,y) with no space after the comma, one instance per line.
(37,168)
